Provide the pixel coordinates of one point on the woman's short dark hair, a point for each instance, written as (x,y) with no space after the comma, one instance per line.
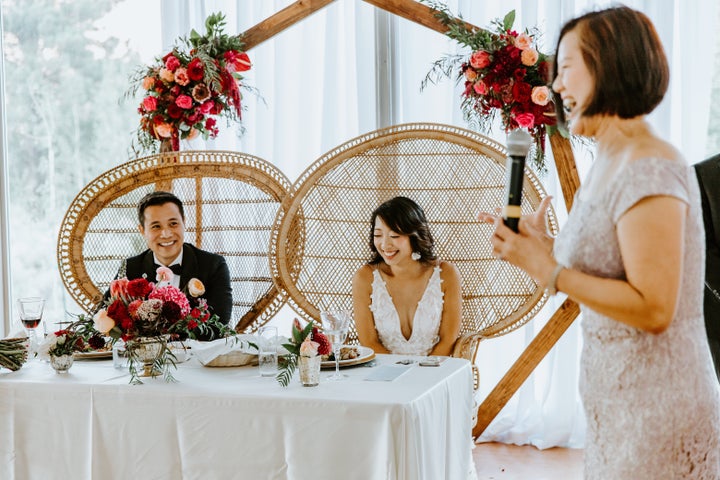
(405,217)
(158,198)
(625,56)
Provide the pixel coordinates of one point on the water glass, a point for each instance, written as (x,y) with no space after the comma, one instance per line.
(267,351)
(120,355)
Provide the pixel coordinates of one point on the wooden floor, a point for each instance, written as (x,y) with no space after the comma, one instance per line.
(498,461)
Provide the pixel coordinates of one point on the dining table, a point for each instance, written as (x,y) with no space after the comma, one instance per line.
(389,418)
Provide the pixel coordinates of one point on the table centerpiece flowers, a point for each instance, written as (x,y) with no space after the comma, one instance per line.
(146,315)
(305,348)
(187,88)
(504,74)
(78,336)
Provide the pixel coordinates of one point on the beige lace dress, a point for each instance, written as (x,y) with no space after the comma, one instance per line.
(651,401)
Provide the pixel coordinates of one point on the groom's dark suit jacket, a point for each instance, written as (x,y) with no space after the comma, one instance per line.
(708,173)
(211,269)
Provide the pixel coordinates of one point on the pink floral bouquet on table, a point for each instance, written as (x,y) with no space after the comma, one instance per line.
(306,341)
(504,73)
(139,308)
(188,87)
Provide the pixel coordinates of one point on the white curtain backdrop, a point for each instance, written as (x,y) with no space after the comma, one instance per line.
(351,68)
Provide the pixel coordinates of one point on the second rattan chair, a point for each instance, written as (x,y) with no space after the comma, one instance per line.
(321,235)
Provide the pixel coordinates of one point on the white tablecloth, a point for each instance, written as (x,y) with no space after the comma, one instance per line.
(230,423)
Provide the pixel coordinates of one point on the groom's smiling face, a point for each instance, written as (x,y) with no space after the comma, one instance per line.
(164,231)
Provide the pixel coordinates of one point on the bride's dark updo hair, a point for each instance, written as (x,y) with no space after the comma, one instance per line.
(404,217)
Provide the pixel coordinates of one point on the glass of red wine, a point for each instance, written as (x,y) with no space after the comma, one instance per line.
(31,310)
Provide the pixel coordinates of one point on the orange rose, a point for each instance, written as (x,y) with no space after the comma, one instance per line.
(196,287)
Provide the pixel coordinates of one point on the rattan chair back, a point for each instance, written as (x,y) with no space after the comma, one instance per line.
(452,173)
(230,199)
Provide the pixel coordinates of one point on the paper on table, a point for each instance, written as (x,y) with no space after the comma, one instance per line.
(387,373)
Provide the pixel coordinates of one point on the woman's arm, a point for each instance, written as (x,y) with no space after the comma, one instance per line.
(452,310)
(651,239)
(364,320)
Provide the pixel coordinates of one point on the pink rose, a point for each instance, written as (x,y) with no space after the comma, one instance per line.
(529,57)
(480,59)
(540,95)
(525,120)
(308,348)
(480,88)
(164,274)
(184,101)
(171,63)
(149,104)
(206,107)
(523,41)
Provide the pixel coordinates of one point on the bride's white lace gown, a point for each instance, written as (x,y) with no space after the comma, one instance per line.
(651,401)
(426,322)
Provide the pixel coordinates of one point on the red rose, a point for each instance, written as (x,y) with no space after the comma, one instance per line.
(196,70)
(195,313)
(149,104)
(525,120)
(139,288)
(184,101)
(521,92)
(192,325)
(174,111)
(118,311)
(206,107)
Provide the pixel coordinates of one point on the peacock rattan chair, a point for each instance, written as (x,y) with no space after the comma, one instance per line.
(321,233)
(231,201)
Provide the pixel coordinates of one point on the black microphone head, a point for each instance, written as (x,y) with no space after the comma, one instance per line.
(518,143)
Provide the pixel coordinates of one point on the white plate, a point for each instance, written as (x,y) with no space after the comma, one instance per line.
(366,354)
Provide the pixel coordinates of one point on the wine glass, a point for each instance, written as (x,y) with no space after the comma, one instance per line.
(31,310)
(335,325)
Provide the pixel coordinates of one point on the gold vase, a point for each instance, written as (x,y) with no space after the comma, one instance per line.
(148,351)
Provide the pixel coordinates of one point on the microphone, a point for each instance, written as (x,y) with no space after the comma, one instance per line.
(518,144)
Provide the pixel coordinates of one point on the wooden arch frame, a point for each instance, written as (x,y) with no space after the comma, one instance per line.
(567,173)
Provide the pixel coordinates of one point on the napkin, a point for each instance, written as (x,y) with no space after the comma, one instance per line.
(206,352)
(387,373)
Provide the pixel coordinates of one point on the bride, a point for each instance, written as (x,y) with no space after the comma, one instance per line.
(405,300)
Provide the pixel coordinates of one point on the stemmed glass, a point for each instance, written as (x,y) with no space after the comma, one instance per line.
(31,310)
(335,325)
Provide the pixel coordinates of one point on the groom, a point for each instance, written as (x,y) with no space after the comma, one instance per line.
(708,173)
(162,223)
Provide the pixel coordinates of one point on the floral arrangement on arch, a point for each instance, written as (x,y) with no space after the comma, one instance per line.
(504,73)
(307,341)
(187,88)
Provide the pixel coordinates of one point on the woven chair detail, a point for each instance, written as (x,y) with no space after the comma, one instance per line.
(230,199)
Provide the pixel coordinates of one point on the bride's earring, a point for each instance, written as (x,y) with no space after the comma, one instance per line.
(415,256)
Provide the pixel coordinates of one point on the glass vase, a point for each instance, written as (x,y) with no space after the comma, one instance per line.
(149,352)
(62,363)
(309,370)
